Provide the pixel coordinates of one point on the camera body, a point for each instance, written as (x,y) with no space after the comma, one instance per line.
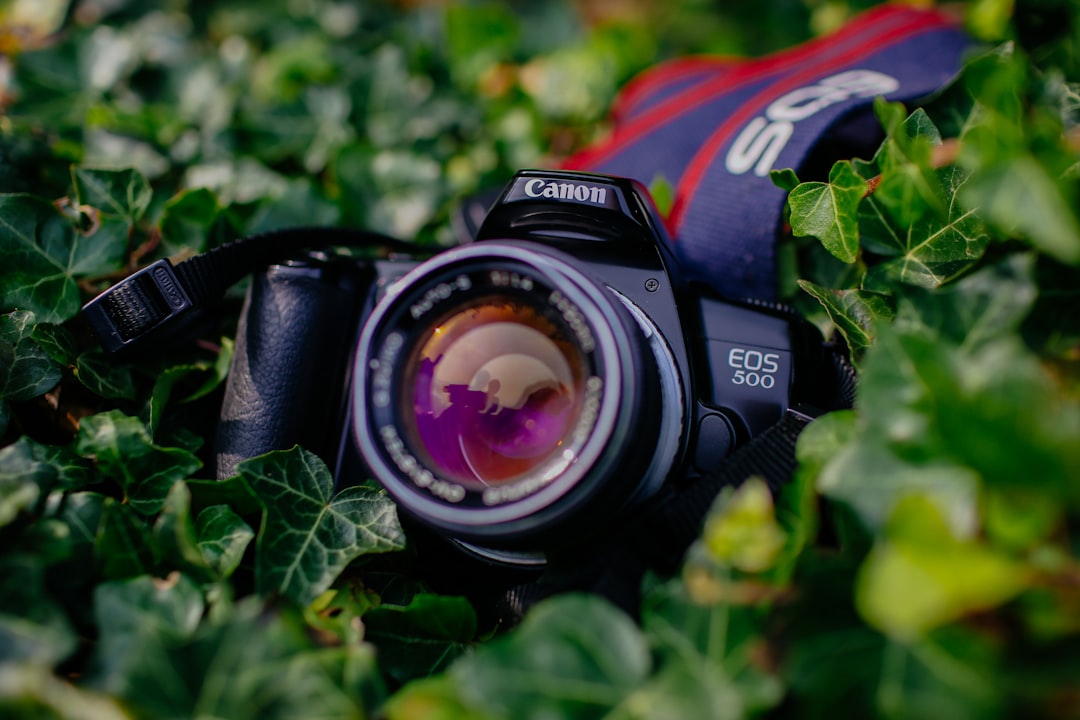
(520,393)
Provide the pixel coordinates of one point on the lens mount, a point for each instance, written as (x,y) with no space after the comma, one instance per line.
(499,393)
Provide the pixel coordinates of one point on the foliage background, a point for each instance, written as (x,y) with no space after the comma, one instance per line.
(921,564)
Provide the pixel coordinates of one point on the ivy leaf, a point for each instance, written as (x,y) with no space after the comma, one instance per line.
(939,576)
(165,659)
(308,537)
(123,546)
(706,653)
(932,248)
(420,638)
(41,258)
(175,539)
(22,480)
(26,370)
(33,628)
(855,313)
(741,530)
(977,309)
(123,193)
(186,220)
(104,376)
(1023,199)
(123,451)
(223,536)
(828,211)
(31,692)
(57,342)
(909,188)
(140,620)
(572,656)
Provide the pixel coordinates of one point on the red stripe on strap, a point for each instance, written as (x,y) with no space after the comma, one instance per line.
(882,21)
(705,156)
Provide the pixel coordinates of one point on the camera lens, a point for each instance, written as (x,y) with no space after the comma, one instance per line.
(502,396)
(493,392)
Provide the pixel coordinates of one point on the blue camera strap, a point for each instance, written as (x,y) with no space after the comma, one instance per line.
(714,128)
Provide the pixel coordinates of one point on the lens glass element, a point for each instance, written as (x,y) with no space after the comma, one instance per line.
(498,386)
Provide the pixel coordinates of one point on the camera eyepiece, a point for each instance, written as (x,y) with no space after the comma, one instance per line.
(500,394)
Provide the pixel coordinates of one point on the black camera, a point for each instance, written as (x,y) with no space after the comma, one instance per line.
(519,393)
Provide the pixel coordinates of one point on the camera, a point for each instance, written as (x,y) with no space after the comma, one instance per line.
(519,394)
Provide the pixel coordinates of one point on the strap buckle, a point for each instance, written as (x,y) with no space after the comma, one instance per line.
(137,306)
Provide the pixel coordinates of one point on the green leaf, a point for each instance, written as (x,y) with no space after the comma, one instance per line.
(573,656)
(223,536)
(420,638)
(308,537)
(33,628)
(41,258)
(984,306)
(24,478)
(186,220)
(855,313)
(57,342)
(827,211)
(123,451)
(164,659)
(123,546)
(26,370)
(663,194)
(31,692)
(1020,197)
(104,376)
(175,537)
(930,247)
(123,193)
(939,576)
(708,655)
(435,698)
(140,619)
(741,530)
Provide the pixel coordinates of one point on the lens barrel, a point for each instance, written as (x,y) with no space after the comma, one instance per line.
(503,397)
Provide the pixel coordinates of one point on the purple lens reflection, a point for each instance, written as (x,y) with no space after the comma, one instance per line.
(497,389)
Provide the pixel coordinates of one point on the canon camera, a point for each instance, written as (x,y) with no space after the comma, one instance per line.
(522,392)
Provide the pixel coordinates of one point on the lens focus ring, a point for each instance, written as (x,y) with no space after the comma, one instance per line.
(490,386)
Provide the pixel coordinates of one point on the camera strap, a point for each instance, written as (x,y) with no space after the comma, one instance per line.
(714,128)
(162,297)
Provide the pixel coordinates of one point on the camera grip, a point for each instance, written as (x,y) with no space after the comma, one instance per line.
(288,372)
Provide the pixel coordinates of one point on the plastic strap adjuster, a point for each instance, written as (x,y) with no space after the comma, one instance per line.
(136,306)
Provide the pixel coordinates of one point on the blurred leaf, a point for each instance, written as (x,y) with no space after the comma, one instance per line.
(939,576)
(186,221)
(123,544)
(977,309)
(124,193)
(572,657)
(33,628)
(423,637)
(308,537)
(31,692)
(710,654)
(741,530)
(1020,197)
(164,659)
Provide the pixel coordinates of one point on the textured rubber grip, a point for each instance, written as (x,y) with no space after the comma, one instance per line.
(286,382)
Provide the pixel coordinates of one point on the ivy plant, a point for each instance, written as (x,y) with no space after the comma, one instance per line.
(921,563)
